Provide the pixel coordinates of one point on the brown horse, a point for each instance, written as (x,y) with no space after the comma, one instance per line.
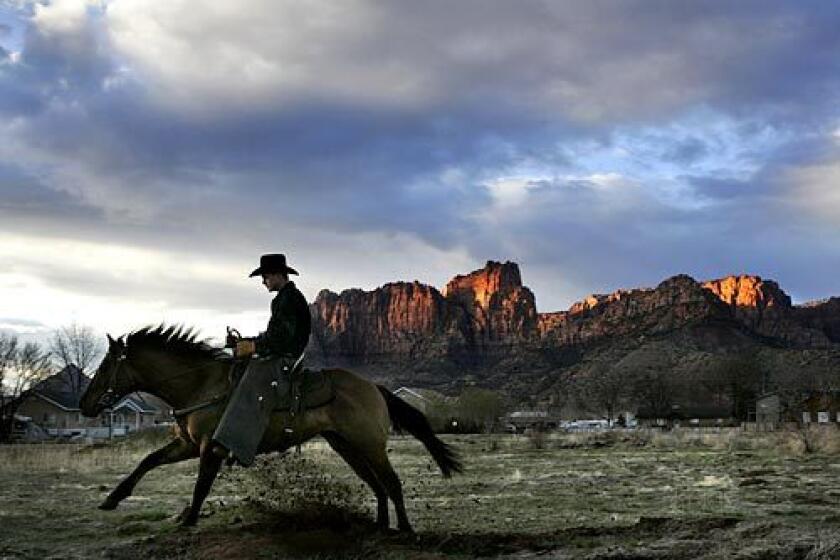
(193,378)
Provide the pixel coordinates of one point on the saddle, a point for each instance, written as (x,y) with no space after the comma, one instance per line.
(294,389)
(264,387)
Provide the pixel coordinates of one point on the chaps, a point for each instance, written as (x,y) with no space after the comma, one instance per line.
(249,410)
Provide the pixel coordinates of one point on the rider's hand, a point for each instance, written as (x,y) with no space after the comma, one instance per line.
(244,348)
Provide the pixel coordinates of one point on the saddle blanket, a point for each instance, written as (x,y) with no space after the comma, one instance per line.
(266,387)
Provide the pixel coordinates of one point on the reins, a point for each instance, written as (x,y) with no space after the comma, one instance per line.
(181,412)
(109,397)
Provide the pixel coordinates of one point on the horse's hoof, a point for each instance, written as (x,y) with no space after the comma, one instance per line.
(109,504)
(185,518)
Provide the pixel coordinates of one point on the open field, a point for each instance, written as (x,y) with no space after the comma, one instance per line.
(580,496)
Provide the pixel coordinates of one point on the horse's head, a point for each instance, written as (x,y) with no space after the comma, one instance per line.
(114,379)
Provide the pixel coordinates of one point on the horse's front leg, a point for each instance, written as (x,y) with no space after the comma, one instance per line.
(208,468)
(173,452)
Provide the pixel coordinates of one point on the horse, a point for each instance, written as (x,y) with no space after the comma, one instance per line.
(170,362)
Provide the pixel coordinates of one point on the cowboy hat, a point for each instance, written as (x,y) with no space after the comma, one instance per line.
(272,263)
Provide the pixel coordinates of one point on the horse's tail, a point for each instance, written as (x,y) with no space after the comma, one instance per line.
(405,417)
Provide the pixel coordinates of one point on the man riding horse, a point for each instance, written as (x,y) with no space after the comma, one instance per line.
(283,342)
(263,412)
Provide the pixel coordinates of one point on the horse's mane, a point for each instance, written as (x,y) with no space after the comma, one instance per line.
(177,339)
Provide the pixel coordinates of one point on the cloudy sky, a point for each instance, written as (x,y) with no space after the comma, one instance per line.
(151,151)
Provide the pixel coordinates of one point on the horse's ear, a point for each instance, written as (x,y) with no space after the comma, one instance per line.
(110,340)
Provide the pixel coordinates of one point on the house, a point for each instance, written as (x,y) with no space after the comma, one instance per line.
(53,405)
(421,399)
(774,409)
(768,412)
(688,416)
(521,420)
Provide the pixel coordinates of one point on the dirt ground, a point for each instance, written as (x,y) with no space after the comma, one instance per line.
(715,496)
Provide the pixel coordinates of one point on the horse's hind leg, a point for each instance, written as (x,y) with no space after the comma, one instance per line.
(173,452)
(208,468)
(363,470)
(378,461)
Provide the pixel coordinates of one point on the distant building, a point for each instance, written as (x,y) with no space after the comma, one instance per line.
(53,405)
(421,399)
(768,412)
(521,420)
(811,407)
(688,416)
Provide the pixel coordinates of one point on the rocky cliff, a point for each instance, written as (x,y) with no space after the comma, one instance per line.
(485,327)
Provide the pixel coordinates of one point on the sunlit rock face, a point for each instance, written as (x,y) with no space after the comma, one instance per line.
(748,292)
(388,320)
(500,307)
(761,305)
(484,327)
(414,325)
(764,308)
(676,302)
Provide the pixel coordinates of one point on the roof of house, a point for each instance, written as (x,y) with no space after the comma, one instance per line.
(423,394)
(528,414)
(65,389)
(137,402)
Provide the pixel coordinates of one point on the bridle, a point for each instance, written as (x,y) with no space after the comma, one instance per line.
(110,396)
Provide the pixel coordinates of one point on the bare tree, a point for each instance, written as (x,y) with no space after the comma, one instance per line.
(738,377)
(76,345)
(602,391)
(794,387)
(654,390)
(21,368)
(8,351)
(561,393)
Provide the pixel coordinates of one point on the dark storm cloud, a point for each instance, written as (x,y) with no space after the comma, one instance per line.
(511,89)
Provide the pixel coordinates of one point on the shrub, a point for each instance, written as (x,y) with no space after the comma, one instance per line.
(536,438)
(298,486)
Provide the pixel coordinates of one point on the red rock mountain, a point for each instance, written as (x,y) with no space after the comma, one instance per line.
(485,326)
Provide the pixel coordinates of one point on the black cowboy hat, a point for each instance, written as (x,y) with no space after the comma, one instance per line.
(272,263)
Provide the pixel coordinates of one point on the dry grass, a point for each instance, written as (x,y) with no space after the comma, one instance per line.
(822,439)
(587,495)
(79,457)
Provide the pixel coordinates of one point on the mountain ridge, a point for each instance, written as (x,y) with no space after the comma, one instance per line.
(484,326)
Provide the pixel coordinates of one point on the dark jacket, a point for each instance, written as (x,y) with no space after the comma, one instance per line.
(289,327)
